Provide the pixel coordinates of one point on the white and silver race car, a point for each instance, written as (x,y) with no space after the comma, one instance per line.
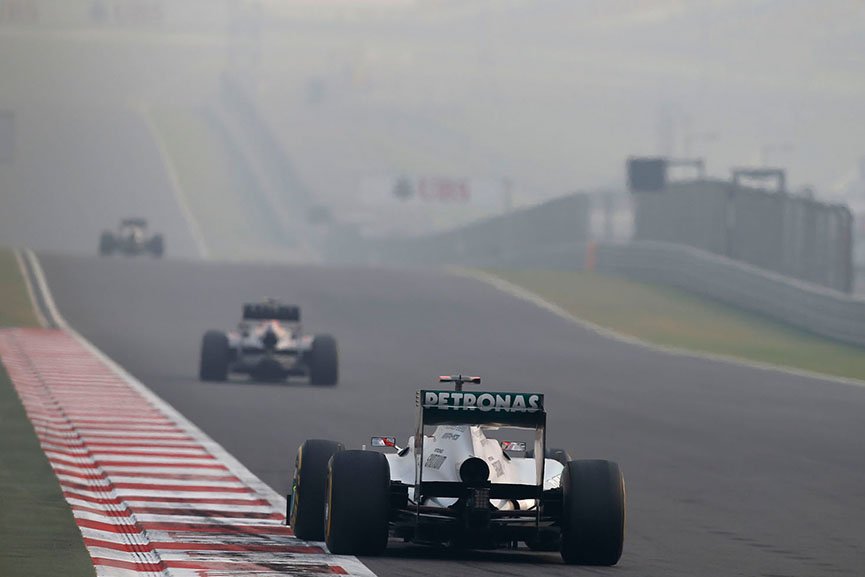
(268,345)
(454,483)
(130,239)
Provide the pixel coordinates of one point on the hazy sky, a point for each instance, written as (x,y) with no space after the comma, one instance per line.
(550,94)
(558,92)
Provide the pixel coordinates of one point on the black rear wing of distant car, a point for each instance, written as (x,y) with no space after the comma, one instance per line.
(138,222)
(271,312)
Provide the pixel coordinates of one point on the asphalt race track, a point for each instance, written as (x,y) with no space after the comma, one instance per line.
(730,470)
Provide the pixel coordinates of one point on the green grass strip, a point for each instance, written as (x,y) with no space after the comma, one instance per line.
(675,318)
(219,189)
(15,307)
(38,535)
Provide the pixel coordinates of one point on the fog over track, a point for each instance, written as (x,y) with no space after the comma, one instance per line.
(730,470)
(84,154)
(93,167)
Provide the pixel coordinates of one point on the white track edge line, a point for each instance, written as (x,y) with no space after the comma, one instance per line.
(233,464)
(176,187)
(349,563)
(37,311)
(519,292)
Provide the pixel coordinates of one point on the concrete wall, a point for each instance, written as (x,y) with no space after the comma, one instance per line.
(791,235)
(800,304)
(552,234)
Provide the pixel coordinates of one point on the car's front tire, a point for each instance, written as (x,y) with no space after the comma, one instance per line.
(157,245)
(214,357)
(593,513)
(323,361)
(358,503)
(308,488)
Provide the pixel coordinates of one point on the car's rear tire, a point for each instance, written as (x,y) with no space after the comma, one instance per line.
(214,356)
(560,455)
(106,244)
(593,513)
(157,245)
(358,503)
(323,361)
(306,514)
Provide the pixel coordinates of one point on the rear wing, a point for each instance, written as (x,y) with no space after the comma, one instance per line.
(523,410)
(494,409)
(271,312)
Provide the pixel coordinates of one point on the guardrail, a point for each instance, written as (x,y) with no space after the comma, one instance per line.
(800,304)
(512,242)
(553,233)
(804,305)
(236,98)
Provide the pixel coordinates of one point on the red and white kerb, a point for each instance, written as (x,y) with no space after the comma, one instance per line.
(149,492)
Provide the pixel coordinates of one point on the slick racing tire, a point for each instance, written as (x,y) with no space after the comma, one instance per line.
(156,246)
(358,503)
(106,244)
(593,513)
(214,357)
(560,455)
(306,512)
(323,361)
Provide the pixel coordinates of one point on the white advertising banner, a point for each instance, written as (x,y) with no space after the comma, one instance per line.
(401,204)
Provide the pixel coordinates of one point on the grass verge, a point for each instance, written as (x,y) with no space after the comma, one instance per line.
(679,319)
(219,189)
(38,535)
(15,307)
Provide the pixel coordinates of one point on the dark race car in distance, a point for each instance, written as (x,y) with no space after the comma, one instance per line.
(268,345)
(131,238)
